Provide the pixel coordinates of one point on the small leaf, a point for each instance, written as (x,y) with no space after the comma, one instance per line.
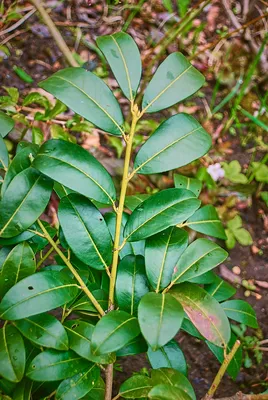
(173,378)
(240,311)
(162,252)
(160,317)
(97,392)
(4,157)
(204,311)
(233,172)
(131,283)
(113,332)
(123,56)
(167,392)
(132,202)
(36,98)
(6,124)
(168,356)
(184,182)
(206,220)
(166,208)
(136,387)
(180,134)
(44,330)
(37,293)
(87,95)
(12,354)
(220,289)
(201,256)
(75,168)
(85,231)
(175,80)
(243,236)
(57,132)
(53,365)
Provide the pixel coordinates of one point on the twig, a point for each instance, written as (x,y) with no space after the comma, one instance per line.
(17,33)
(55,33)
(18,23)
(242,396)
(108,381)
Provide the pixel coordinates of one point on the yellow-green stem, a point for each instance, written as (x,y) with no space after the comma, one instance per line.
(72,269)
(45,256)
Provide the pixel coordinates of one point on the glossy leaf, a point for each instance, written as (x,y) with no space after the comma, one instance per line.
(19,207)
(175,80)
(19,264)
(44,330)
(87,95)
(26,235)
(132,202)
(131,283)
(85,231)
(184,182)
(78,385)
(220,289)
(136,387)
(167,392)
(4,157)
(168,356)
(206,220)
(160,317)
(123,56)
(206,278)
(75,168)
(173,378)
(12,354)
(204,311)
(113,332)
(180,135)
(37,293)
(98,391)
(162,210)
(136,346)
(162,252)
(80,333)
(240,311)
(84,304)
(6,124)
(188,327)
(23,390)
(53,365)
(201,256)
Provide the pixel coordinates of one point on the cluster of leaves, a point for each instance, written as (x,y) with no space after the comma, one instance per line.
(163,283)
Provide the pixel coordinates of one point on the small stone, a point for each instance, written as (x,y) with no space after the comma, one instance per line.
(236,270)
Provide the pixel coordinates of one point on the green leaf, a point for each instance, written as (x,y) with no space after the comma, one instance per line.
(75,168)
(85,231)
(167,392)
(123,56)
(110,219)
(6,124)
(87,95)
(184,182)
(84,304)
(162,252)
(132,202)
(113,332)
(264,197)
(131,283)
(19,264)
(23,390)
(233,172)
(240,311)
(58,108)
(135,346)
(235,223)
(78,385)
(175,80)
(36,98)
(168,5)
(220,289)
(183,7)
(21,161)
(136,387)
(230,241)
(53,365)
(168,356)
(98,391)
(37,293)
(166,208)
(236,362)
(23,202)
(206,278)
(44,330)
(201,256)
(160,317)
(57,132)
(260,171)
(180,134)
(187,326)
(207,221)
(12,354)
(243,236)
(80,333)
(204,311)
(4,157)
(173,378)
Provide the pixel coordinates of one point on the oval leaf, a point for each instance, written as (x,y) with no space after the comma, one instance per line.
(12,354)
(98,391)
(6,124)
(240,311)
(168,392)
(201,256)
(180,134)
(166,208)
(220,289)
(175,80)
(123,56)
(162,252)
(204,311)
(75,168)
(44,330)
(184,182)
(160,317)
(4,157)
(169,356)
(23,202)
(173,378)
(136,346)
(136,387)
(85,231)
(131,283)
(206,220)
(113,332)
(37,293)
(88,96)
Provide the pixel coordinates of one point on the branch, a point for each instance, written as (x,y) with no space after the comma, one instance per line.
(242,396)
